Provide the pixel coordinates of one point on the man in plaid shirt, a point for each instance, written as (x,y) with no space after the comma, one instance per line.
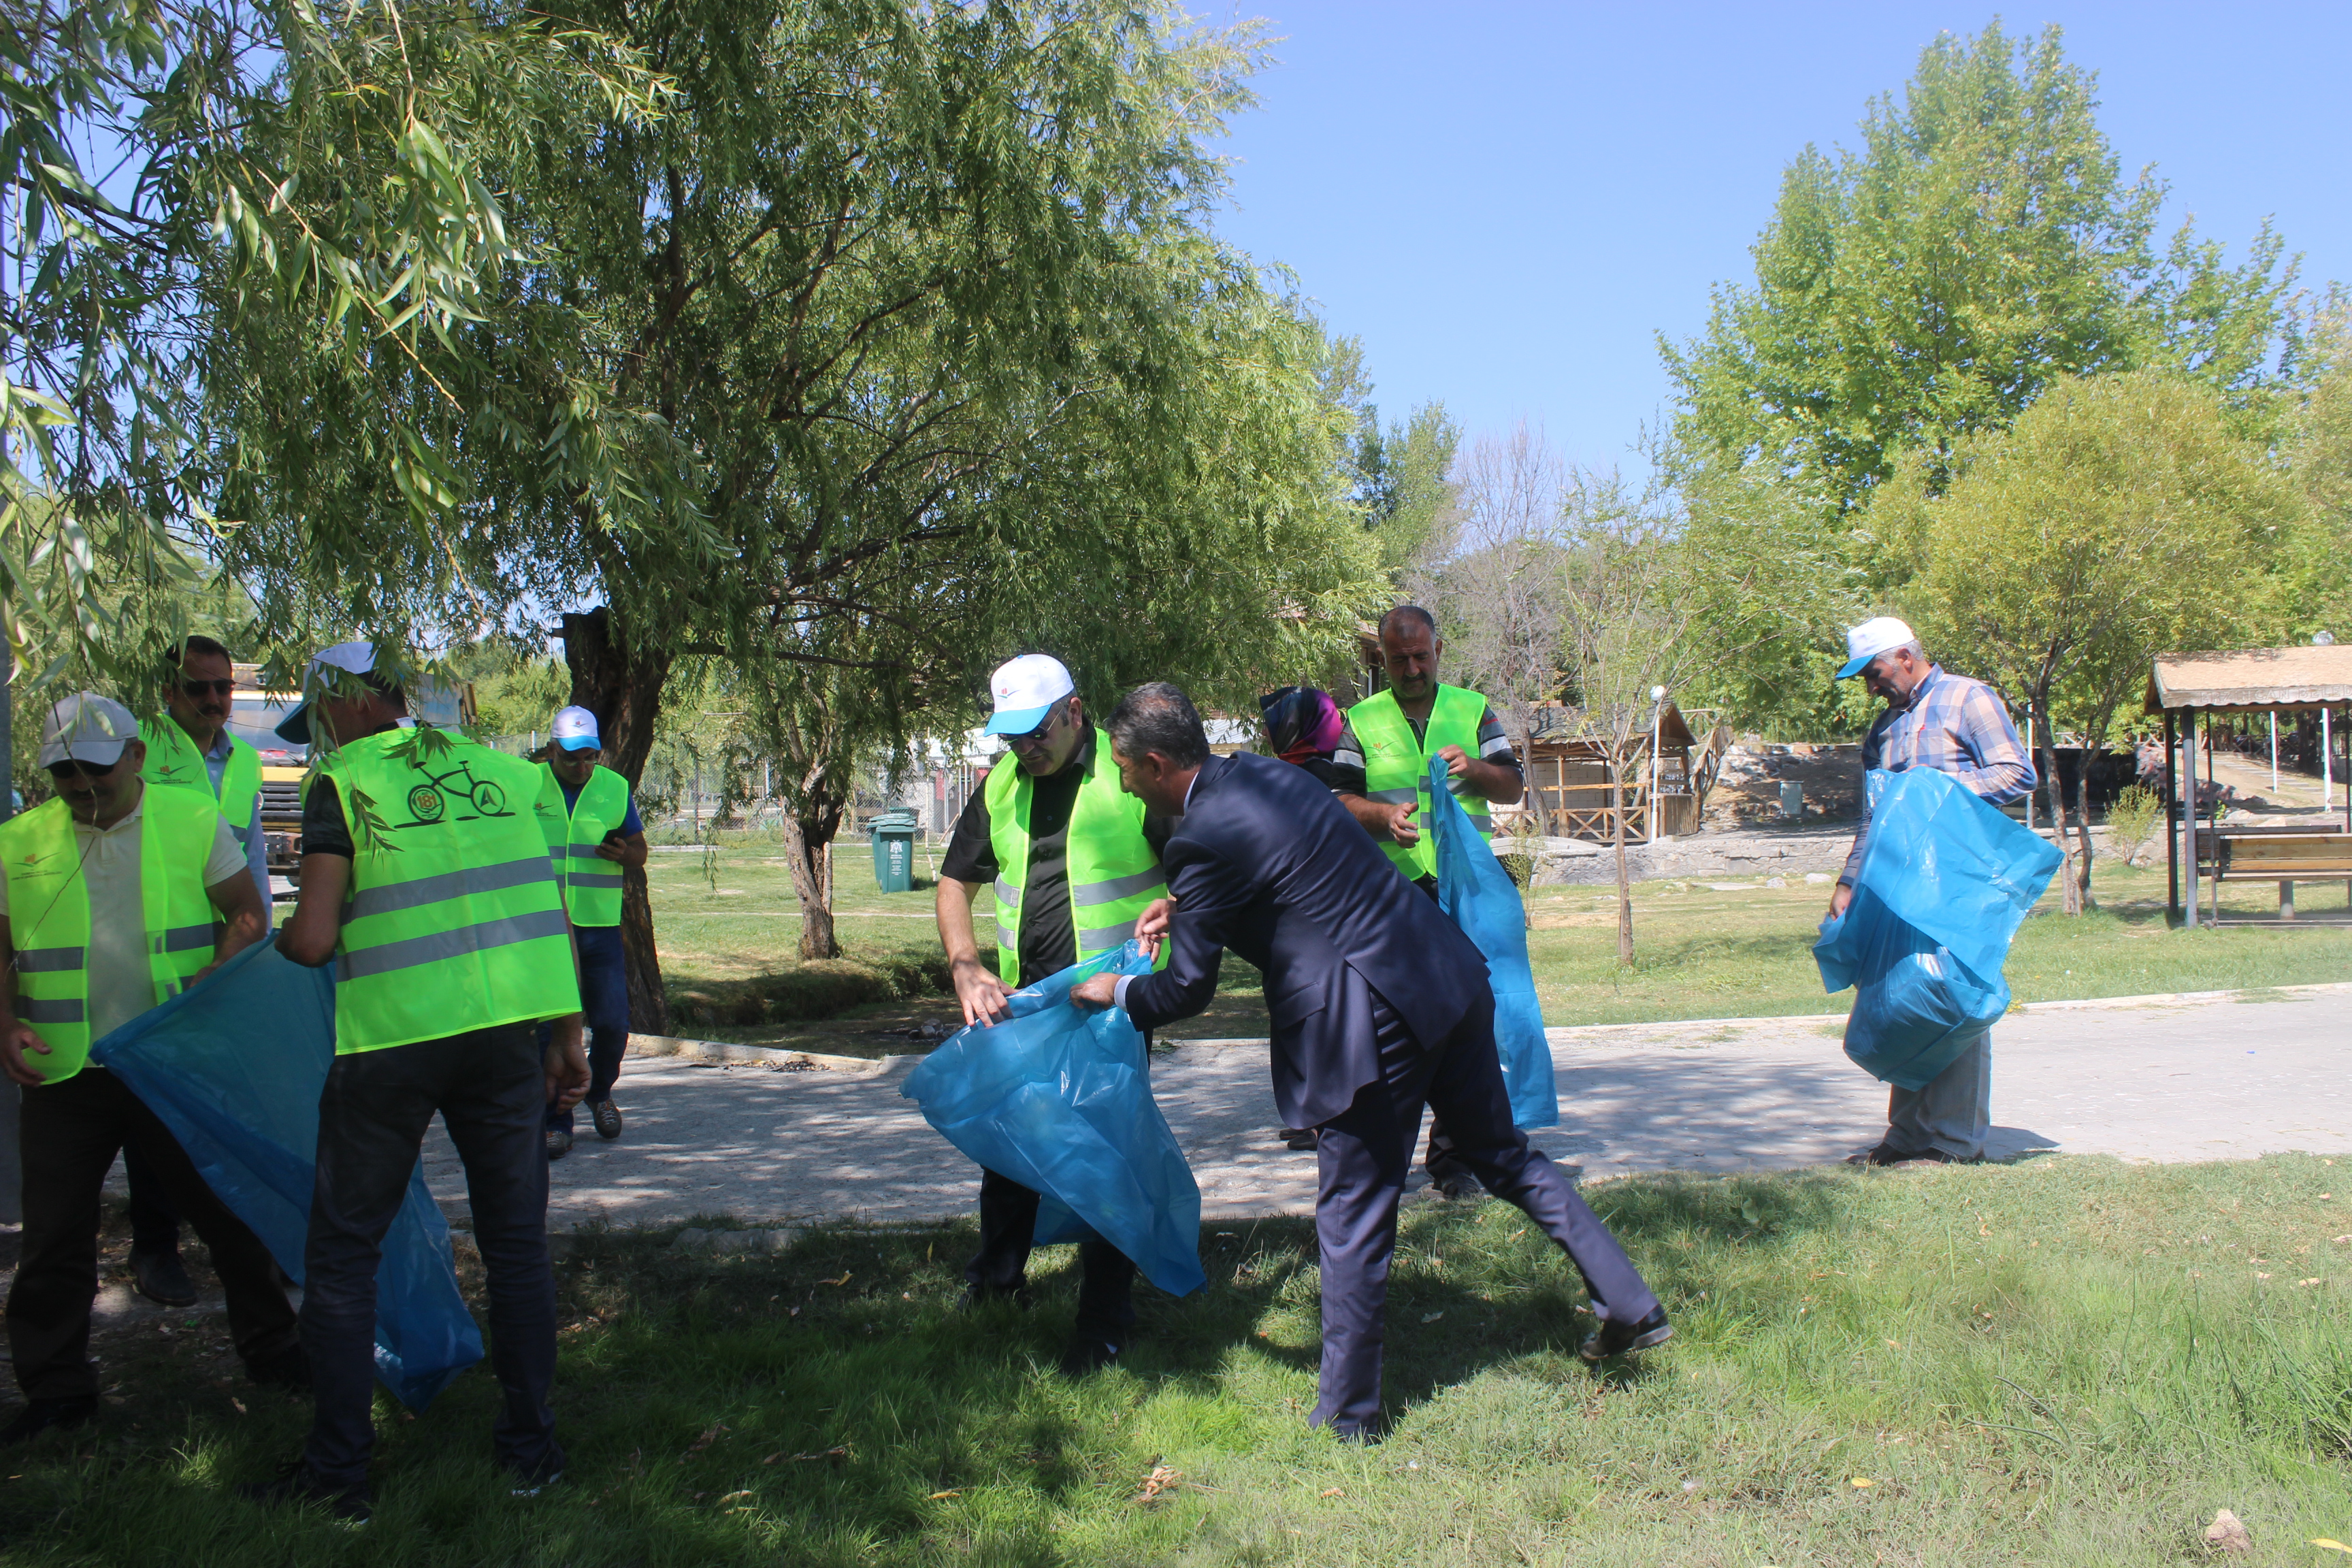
(1960,727)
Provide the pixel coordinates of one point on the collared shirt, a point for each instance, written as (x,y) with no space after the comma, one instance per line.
(1954,725)
(122,986)
(256,848)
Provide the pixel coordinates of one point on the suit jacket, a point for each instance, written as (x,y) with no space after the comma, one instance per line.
(1266,862)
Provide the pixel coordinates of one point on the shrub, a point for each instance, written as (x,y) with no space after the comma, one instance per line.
(2132,821)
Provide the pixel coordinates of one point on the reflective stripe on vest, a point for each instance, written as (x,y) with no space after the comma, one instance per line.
(454,922)
(174,763)
(1396,765)
(43,861)
(1113,873)
(590,884)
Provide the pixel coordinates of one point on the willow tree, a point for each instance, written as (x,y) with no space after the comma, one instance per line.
(170,164)
(889,308)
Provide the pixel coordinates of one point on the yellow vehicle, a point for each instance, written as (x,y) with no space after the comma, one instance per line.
(254,716)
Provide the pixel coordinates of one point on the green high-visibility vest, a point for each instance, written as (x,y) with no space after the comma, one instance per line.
(1114,873)
(1396,765)
(454,921)
(48,914)
(590,883)
(174,763)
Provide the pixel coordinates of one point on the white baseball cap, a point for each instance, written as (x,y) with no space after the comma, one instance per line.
(87,728)
(1873,637)
(351,658)
(1024,689)
(576,731)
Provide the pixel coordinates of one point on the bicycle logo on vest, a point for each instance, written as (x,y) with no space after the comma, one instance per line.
(429,802)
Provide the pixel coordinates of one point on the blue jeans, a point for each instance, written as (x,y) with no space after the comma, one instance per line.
(1953,1113)
(605,1001)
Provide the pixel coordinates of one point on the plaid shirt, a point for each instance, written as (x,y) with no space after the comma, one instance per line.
(1957,726)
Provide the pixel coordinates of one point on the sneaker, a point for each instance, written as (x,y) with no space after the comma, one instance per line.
(559,1143)
(298,1485)
(1612,1339)
(46,1415)
(162,1277)
(1088,1353)
(531,1482)
(607,1116)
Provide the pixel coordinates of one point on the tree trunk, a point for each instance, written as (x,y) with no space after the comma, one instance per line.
(622,686)
(2070,889)
(1624,889)
(806,842)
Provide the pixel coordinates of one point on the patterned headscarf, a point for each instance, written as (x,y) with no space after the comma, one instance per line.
(1301,722)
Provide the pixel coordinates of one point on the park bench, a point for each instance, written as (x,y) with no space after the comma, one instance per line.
(2281,855)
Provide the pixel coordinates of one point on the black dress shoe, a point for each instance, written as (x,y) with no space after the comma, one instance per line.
(1088,1353)
(559,1143)
(45,1415)
(160,1277)
(607,1117)
(298,1484)
(1301,1138)
(1613,1338)
(289,1368)
(1888,1154)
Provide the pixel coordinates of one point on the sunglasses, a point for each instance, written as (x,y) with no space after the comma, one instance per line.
(217,687)
(1038,736)
(77,769)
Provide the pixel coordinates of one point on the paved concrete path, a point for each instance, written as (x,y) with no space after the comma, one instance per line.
(2164,1079)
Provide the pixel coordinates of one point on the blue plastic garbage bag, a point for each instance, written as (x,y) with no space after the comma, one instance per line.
(233,1068)
(1058,1097)
(1479,895)
(1944,883)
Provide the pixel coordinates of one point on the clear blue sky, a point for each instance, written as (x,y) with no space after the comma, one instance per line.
(1507,202)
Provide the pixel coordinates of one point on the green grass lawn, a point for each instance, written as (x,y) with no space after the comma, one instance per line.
(1701,952)
(2064,1362)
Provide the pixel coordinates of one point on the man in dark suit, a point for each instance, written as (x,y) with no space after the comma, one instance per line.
(1379,1004)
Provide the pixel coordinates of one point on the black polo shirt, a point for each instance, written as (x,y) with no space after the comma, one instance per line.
(1049,939)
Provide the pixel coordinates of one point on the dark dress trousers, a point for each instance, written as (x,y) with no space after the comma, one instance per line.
(1379,1006)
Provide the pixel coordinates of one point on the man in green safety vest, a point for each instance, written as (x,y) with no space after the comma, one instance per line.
(190,747)
(1073,860)
(425,882)
(1381,772)
(115,898)
(594,835)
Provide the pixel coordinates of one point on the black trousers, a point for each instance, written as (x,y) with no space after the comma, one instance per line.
(70,1133)
(1008,1218)
(154,1223)
(1440,1160)
(490,1090)
(1364,1155)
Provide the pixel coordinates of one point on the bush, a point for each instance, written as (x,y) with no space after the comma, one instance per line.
(2132,821)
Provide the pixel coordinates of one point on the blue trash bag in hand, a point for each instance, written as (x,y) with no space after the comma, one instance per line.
(1058,1097)
(1479,895)
(233,1066)
(1944,883)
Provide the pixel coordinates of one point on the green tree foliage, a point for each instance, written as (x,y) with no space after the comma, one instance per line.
(895,340)
(170,162)
(2319,574)
(2121,516)
(1404,484)
(1980,242)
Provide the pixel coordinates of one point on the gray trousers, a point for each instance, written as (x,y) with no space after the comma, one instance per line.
(1953,1113)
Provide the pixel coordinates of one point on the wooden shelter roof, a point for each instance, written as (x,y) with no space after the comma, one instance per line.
(2251,680)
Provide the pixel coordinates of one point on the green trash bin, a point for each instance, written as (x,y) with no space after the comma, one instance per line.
(893,834)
